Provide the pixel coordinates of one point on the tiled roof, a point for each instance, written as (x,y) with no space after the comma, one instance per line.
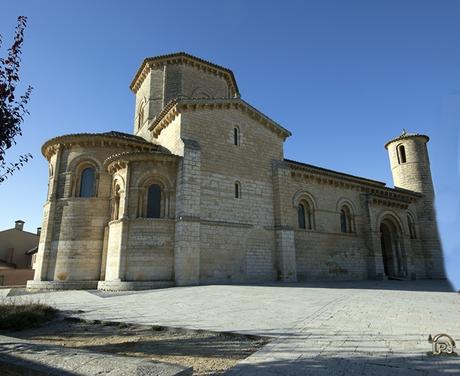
(110,134)
(160,151)
(405,135)
(218,102)
(340,174)
(125,135)
(183,56)
(375,186)
(48,147)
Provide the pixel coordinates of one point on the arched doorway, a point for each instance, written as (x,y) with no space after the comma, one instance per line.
(394,260)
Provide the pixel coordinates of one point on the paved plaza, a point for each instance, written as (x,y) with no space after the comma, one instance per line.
(343,328)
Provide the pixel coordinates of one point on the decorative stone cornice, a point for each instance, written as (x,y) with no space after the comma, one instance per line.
(379,192)
(183,58)
(324,172)
(120,160)
(391,203)
(108,139)
(177,106)
(405,135)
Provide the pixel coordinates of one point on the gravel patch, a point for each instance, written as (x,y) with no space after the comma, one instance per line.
(209,353)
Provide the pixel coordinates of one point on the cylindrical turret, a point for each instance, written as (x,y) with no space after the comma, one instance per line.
(410,164)
(410,167)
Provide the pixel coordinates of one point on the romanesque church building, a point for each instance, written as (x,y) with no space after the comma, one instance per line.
(201,193)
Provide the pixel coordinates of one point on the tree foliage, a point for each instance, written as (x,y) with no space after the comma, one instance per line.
(12,108)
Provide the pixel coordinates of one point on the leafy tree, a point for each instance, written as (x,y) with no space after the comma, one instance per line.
(12,108)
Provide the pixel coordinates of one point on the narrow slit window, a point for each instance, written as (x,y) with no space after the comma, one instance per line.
(237,190)
(236,136)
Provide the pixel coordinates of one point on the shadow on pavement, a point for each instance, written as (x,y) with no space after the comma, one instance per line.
(359,365)
(397,285)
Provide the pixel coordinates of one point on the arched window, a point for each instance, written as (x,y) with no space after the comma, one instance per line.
(411,225)
(346,219)
(88,182)
(236,136)
(305,215)
(237,190)
(401,154)
(154,201)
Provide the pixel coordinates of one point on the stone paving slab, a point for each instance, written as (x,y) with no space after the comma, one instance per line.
(347,328)
(20,357)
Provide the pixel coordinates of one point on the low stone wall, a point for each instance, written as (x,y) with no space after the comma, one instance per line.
(59,285)
(15,277)
(133,285)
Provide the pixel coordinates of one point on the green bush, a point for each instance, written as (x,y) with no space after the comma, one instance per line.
(20,315)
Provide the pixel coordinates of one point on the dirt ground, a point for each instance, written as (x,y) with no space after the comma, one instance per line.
(209,353)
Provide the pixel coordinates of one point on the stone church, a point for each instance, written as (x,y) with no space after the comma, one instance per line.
(201,193)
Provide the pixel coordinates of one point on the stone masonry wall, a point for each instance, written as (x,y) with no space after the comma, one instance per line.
(150,96)
(114,261)
(150,250)
(196,83)
(223,164)
(170,137)
(324,256)
(325,252)
(237,237)
(234,253)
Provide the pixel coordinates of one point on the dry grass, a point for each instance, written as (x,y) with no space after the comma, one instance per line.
(24,314)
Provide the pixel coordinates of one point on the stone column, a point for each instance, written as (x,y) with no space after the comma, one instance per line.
(187,229)
(407,252)
(123,252)
(104,253)
(123,264)
(118,234)
(372,239)
(46,236)
(285,240)
(286,252)
(376,256)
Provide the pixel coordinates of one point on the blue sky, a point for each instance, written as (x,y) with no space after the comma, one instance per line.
(343,76)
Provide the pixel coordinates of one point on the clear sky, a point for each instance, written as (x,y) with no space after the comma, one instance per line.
(343,76)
